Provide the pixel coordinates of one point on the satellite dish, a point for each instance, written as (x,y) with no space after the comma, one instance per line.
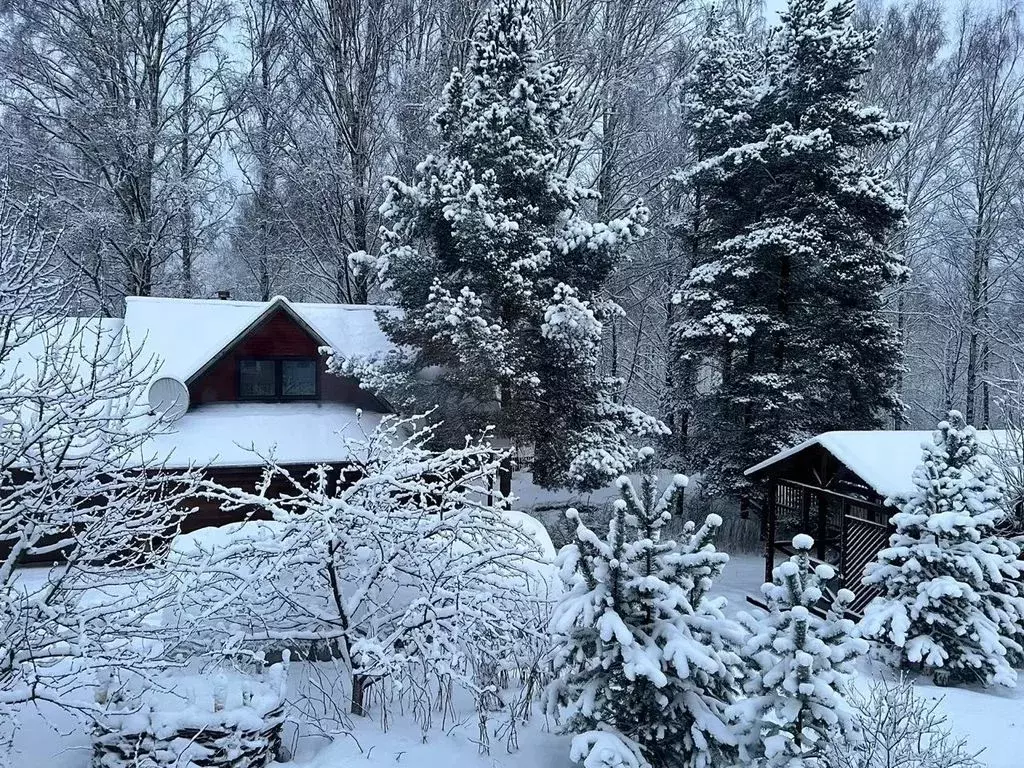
(168,398)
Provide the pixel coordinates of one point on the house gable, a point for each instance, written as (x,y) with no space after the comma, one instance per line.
(278,334)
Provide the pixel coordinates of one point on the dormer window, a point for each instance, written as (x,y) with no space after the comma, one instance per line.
(298,378)
(277,379)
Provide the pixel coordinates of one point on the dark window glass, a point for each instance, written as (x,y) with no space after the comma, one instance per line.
(298,378)
(257,378)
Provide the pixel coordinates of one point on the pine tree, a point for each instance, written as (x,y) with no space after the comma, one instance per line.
(799,667)
(949,604)
(719,98)
(784,301)
(642,649)
(498,272)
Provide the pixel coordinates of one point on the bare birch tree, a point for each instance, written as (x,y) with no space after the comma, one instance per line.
(126,96)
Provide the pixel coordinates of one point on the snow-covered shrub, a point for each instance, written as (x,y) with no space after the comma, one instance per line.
(949,604)
(900,730)
(799,666)
(74,487)
(219,718)
(640,647)
(396,569)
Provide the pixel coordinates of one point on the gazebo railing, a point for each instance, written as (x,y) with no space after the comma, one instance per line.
(848,532)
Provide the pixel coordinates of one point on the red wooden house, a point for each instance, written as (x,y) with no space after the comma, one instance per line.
(243,381)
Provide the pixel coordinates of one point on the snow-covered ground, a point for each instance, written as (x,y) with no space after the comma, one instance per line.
(989,718)
(992,719)
(457,747)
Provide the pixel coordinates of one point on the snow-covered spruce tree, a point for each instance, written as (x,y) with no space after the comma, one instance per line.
(498,273)
(784,301)
(718,99)
(640,647)
(948,603)
(799,665)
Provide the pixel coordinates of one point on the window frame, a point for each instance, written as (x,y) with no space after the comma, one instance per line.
(278,396)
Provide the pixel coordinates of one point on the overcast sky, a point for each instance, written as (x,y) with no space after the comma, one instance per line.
(773,7)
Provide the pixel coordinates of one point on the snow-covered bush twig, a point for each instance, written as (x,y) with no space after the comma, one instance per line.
(76,486)
(393,566)
(901,730)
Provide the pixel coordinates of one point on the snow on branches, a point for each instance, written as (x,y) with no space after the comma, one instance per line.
(640,647)
(798,668)
(498,273)
(76,490)
(950,600)
(791,230)
(393,564)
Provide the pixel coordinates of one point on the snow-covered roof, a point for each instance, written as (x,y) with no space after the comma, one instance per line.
(186,334)
(884,459)
(243,434)
(179,337)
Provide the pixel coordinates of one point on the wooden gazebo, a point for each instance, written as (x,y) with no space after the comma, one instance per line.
(835,488)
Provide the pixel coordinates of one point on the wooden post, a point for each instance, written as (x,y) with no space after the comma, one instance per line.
(822,534)
(843,537)
(805,510)
(505,479)
(769,545)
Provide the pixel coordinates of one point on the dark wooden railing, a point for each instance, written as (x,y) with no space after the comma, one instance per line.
(848,532)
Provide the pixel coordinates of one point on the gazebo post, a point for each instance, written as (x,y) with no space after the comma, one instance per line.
(769,545)
(822,533)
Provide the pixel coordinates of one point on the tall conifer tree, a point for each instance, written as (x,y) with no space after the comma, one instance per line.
(498,272)
(785,302)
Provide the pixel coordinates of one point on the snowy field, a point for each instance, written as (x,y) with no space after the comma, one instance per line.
(991,719)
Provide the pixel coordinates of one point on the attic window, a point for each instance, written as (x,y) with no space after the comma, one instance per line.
(277,379)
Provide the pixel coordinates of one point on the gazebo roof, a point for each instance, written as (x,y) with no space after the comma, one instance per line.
(884,459)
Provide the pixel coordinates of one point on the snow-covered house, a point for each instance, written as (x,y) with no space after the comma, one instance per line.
(241,381)
(834,487)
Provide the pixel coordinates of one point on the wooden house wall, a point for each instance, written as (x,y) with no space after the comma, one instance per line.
(207,512)
(278,336)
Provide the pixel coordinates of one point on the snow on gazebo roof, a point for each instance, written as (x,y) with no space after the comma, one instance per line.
(884,459)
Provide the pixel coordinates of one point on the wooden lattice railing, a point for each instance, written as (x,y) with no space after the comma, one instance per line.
(848,532)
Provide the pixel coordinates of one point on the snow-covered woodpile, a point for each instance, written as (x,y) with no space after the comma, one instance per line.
(226,719)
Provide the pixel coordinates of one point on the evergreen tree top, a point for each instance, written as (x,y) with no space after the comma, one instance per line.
(958,489)
(722,89)
(821,57)
(509,108)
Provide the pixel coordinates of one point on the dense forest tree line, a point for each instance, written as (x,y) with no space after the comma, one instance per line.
(185,146)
